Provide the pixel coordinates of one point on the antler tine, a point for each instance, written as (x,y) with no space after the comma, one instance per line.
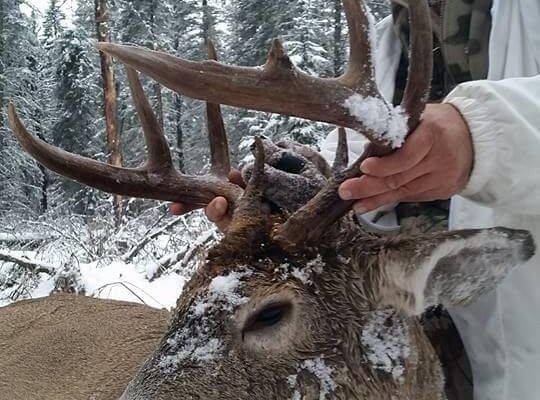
(360,63)
(250,220)
(159,154)
(420,64)
(219,145)
(341,159)
(278,86)
(311,221)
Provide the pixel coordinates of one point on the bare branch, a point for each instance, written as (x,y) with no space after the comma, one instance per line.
(30,265)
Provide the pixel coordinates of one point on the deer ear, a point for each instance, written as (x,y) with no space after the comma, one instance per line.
(451,268)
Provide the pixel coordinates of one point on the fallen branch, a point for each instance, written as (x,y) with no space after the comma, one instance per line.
(183,257)
(30,265)
(16,237)
(128,257)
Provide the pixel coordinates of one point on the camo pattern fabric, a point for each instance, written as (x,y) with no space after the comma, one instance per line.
(461,31)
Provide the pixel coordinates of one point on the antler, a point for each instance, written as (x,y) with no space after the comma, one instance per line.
(310,222)
(279,86)
(351,100)
(157,179)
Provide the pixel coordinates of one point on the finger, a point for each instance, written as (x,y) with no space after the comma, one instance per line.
(416,147)
(217,209)
(181,208)
(369,186)
(236,177)
(421,185)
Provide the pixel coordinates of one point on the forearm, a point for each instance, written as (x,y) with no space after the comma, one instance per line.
(504,120)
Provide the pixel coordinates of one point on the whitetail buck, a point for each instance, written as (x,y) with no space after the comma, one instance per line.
(296,303)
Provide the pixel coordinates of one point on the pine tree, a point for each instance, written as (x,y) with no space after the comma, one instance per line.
(20,192)
(78,105)
(302,26)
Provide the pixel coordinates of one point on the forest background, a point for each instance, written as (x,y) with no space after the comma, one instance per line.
(56,235)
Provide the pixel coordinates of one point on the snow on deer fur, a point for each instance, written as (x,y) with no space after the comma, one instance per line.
(386,349)
(321,371)
(195,342)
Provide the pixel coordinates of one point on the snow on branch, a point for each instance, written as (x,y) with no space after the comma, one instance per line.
(30,265)
(128,257)
(19,237)
(183,257)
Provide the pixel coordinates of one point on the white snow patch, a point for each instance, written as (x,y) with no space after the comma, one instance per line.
(292,381)
(323,372)
(387,122)
(371,31)
(223,290)
(120,281)
(115,281)
(387,346)
(304,274)
(199,349)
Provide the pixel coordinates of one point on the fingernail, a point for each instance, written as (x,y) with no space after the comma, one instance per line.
(221,207)
(359,208)
(344,194)
(364,167)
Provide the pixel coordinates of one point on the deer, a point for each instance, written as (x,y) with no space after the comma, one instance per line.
(296,301)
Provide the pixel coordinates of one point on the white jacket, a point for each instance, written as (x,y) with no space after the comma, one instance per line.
(501,332)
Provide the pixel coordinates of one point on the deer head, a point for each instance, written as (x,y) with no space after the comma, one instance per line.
(298,303)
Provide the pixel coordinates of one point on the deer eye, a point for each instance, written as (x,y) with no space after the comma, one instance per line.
(270,315)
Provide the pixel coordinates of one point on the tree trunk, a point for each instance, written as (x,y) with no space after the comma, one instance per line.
(338,39)
(178,103)
(206,22)
(109,96)
(43,201)
(153,45)
(179,132)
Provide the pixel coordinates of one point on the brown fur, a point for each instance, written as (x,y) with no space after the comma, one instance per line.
(74,347)
(68,347)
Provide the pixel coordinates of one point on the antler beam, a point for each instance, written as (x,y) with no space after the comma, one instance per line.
(157,179)
(278,86)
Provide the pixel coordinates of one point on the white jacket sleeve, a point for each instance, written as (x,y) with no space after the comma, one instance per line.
(504,120)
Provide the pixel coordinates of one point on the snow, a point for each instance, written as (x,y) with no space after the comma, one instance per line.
(115,281)
(316,366)
(121,281)
(198,348)
(304,273)
(387,346)
(198,340)
(223,293)
(387,123)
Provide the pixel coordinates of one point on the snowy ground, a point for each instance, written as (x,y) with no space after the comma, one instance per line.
(150,265)
(118,281)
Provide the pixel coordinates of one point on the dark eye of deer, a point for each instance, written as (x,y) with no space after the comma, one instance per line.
(269,316)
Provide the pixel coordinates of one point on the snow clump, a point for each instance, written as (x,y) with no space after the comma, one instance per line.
(388,123)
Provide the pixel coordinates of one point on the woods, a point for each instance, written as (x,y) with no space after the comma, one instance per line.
(73,97)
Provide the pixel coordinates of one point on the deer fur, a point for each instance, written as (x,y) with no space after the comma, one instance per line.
(346,335)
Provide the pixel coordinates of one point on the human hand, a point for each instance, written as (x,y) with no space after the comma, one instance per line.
(216,210)
(434,163)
